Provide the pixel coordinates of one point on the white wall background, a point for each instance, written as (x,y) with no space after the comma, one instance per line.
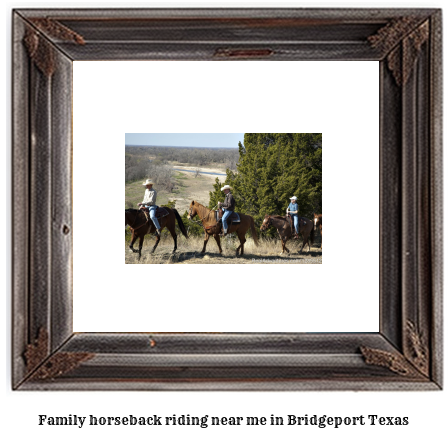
(112,98)
(426,411)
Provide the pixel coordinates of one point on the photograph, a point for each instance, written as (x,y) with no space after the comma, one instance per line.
(223,198)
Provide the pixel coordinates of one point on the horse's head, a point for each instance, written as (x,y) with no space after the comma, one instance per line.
(317,220)
(192,211)
(267,221)
(130,215)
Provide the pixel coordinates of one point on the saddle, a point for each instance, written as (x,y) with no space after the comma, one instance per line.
(160,212)
(302,222)
(233,218)
(291,223)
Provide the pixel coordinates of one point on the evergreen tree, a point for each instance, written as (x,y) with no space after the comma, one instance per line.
(216,195)
(170,204)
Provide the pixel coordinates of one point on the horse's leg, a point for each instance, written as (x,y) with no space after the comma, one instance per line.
(218,241)
(133,239)
(205,242)
(155,246)
(242,244)
(303,243)
(305,239)
(242,241)
(287,250)
(151,230)
(283,240)
(172,230)
(284,245)
(140,245)
(238,249)
(242,237)
(175,243)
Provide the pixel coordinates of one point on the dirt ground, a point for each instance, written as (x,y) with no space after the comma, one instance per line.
(189,252)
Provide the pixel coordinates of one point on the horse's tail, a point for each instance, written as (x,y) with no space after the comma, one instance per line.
(253,230)
(180,223)
(312,236)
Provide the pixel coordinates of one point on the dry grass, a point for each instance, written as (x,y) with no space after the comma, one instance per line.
(189,252)
(191,188)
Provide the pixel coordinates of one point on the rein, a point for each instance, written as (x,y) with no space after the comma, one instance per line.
(201,220)
(271,223)
(135,220)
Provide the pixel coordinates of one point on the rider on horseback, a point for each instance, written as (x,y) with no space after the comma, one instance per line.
(228,206)
(293,211)
(149,203)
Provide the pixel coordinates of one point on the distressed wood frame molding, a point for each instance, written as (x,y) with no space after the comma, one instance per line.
(406,353)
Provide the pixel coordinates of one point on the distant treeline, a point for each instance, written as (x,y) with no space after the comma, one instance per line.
(187,155)
(142,168)
(143,162)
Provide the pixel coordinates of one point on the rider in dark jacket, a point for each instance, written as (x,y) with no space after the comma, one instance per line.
(228,206)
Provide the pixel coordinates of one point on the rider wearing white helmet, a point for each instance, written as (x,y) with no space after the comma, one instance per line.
(293,211)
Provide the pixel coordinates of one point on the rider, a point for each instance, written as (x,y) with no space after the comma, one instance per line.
(228,207)
(149,201)
(293,210)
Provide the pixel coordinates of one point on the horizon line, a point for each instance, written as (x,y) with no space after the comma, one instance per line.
(165,146)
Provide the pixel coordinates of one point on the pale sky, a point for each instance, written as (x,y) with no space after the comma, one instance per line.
(192,140)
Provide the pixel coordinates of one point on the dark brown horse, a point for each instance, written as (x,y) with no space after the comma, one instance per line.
(140,226)
(284,229)
(318,226)
(212,227)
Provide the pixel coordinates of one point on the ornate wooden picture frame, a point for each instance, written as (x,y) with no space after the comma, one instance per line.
(406,353)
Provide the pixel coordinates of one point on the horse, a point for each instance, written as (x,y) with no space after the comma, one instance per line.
(140,226)
(284,229)
(318,226)
(212,227)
